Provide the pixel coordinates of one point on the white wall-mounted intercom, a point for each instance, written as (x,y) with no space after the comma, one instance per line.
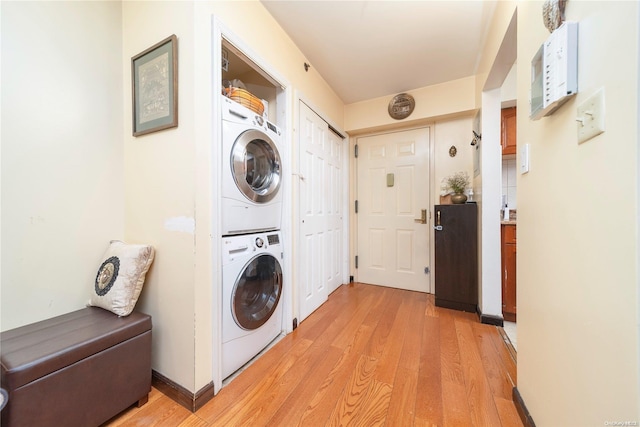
(554,71)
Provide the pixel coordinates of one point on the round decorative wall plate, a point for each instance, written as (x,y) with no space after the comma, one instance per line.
(401,106)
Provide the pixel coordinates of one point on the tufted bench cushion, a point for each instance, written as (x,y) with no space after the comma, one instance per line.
(77,369)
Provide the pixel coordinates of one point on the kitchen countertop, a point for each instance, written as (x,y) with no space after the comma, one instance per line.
(512,218)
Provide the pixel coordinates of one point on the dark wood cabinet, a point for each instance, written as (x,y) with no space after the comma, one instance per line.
(508,130)
(509,272)
(456,256)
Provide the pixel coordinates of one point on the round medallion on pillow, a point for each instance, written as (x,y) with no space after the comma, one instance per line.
(107,275)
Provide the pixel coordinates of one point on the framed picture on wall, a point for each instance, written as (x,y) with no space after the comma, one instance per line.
(154,82)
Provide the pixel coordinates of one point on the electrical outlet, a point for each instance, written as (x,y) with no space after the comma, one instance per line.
(591,117)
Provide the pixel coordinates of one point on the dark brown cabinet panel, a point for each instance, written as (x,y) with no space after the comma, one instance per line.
(456,256)
(509,272)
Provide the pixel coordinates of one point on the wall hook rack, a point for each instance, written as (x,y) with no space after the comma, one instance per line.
(476,138)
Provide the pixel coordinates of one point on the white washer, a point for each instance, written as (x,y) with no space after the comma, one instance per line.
(251,175)
(251,293)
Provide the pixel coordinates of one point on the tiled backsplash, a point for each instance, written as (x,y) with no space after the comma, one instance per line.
(509,188)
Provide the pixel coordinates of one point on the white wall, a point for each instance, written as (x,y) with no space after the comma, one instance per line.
(62,156)
(577,266)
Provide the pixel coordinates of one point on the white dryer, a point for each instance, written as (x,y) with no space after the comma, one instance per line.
(251,293)
(251,171)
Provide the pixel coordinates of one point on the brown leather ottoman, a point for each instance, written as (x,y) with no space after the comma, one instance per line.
(78,369)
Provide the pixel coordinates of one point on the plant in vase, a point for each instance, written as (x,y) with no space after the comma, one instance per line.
(456,184)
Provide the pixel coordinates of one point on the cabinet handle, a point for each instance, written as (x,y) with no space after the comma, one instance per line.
(437,227)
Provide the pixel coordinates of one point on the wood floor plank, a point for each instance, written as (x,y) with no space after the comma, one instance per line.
(324,401)
(495,371)
(456,411)
(402,405)
(454,401)
(508,413)
(429,396)
(355,320)
(481,404)
(412,345)
(231,401)
(302,396)
(392,345)
(260,406)
(354,395)
(194,421)
(160,412)
(263,407)
(450,350)
(433,367)
(507,354)
(373,409)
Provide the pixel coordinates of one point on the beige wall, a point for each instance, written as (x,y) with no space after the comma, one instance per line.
(577,229)
(160,190)
(62,157)
(171,176)
(432,102)
(453,132)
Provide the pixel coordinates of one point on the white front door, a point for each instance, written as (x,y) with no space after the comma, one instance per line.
(321,193)
(392,192)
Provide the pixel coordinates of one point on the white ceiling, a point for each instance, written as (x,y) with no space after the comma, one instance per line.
(369,49)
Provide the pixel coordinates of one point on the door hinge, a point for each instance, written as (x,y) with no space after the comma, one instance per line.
(355,151)
(356,206)
(356,261)
(426,270)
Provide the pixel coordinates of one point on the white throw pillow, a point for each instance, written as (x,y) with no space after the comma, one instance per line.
(120,277)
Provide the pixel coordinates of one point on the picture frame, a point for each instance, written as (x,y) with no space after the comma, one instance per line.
(154,83)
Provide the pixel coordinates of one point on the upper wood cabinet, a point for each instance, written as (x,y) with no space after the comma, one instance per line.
(508,130)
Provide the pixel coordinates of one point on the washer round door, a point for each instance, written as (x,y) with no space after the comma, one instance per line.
(257,291)
(255,166)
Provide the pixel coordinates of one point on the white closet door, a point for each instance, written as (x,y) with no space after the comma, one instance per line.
(321,211)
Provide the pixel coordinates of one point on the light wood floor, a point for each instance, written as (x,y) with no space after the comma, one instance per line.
(370,356)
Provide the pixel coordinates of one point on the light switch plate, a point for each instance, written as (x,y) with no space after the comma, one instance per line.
(590,119)
(524,159)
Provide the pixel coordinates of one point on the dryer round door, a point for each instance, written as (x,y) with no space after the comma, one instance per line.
(257,291)
(255,165)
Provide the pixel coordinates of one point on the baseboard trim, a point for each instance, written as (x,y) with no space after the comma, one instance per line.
(523,412)
(490,320)
(455,305)
(181,395)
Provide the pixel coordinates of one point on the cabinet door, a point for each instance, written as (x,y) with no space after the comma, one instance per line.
(509,273)
(508,127)
(456,257)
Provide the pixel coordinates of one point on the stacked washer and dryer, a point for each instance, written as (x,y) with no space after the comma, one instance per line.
(251,207)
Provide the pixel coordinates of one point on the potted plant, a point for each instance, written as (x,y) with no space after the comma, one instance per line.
(456,184)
